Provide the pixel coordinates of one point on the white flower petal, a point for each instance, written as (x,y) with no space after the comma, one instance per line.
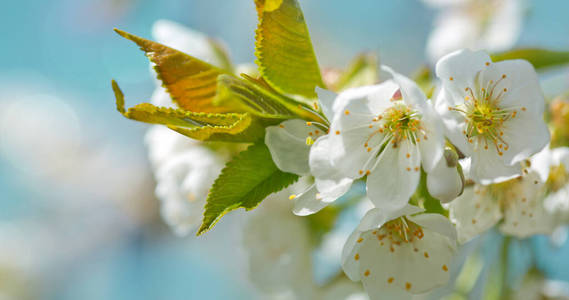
(454,123)
(445,182)
(525,135)
(349,264)
(331,189)
(521,83)
(163,143)
(488,167)
(308,202)
(458,71)
(376,217)
(557,205)
(326,100)
(395,177)
(183,182)
(371,98)
(288,146)
(353,152)
(474,212)
(432,144)
(278,246)
(330,181)
(411,94)
(437,223)
(525,214)
(466,164)
(542,161)
(561,157)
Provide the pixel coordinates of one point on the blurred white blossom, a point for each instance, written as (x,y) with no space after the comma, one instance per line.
(493,25)
(535,203)
(279,248)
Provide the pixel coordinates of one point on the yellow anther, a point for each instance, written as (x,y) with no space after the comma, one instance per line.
(309,141)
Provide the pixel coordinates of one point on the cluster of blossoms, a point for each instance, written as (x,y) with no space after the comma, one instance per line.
(438,172)
(491,113)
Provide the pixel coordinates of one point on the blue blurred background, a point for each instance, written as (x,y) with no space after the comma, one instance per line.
(79,220)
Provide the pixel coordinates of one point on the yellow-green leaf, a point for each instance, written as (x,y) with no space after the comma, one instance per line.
(284,51)
(231,127)
(539,58)
(258,98)
(191,82)
(247,130)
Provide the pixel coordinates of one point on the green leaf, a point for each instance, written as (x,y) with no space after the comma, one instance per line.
(190,82)
(244,182)
(259,99)
(284,51)
(256,99)
(232,127)
(363,70)
(539,58)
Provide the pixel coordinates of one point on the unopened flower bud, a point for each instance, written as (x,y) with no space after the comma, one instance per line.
(446,181)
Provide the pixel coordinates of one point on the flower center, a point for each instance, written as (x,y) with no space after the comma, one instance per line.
(400,230)
(485,117)
(398,123)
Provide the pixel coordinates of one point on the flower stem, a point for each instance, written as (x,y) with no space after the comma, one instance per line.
(505,290)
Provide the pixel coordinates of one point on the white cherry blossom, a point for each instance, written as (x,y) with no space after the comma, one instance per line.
(555,164)
(302,148)
(494,25)
(399,254)
(278,246)
(183,183)
(385,132)
(518,203)
(493,112)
